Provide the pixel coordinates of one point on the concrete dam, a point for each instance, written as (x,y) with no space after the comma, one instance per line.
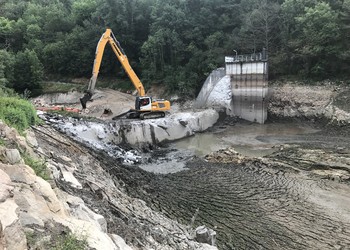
(240,89)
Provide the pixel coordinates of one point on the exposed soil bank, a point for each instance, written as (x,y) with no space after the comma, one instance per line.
(322,103)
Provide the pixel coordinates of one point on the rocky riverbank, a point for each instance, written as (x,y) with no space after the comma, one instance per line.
(37,214)
(326,102)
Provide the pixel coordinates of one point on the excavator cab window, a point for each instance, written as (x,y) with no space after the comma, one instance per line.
(144,101)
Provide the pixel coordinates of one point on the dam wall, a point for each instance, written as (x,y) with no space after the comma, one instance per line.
(240,89)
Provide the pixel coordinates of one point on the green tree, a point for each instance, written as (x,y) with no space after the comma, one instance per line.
(344,16)
(319,41)
(6,29)
(83,10)
(28,72)
(260,27)
(6,68)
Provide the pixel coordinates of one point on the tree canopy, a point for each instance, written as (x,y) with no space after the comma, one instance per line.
(176,43)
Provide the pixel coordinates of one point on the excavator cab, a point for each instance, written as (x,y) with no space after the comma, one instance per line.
(143,103)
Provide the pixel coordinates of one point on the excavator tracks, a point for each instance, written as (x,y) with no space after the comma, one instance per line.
(154,114)
(134,114)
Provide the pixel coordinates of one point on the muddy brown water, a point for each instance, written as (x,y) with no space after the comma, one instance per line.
(253,207)
(249,139)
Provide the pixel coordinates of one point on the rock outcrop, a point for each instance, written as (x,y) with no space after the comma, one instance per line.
(313,102)
(30,206)
(38,213)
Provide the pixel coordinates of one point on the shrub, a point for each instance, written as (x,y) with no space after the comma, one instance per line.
(28,72)
(14,117)
(17,113)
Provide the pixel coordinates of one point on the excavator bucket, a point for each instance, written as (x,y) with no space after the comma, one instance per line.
(85,99)
(107,112)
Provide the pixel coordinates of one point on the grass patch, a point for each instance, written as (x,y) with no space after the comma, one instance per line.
(70,241)
(39,166)
(55,236)
(121,84)
(17,113)
(61,87)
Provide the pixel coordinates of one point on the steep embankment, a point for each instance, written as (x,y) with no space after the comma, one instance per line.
(323,102)
(40,214)
(35,213)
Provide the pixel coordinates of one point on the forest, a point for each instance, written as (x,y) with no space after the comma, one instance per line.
(175,43)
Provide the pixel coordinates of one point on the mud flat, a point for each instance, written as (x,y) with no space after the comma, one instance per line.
(295,198)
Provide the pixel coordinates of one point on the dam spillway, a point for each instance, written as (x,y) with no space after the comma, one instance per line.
(240,89)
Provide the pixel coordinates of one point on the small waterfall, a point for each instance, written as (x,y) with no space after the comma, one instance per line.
(208,86)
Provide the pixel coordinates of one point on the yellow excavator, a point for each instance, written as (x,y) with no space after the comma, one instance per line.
(145,106)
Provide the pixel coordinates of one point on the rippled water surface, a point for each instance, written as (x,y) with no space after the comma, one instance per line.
(249,139)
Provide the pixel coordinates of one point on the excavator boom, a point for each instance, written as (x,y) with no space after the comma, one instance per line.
(145,106)
(109,37)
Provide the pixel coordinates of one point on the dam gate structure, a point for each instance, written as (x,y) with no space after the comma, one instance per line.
(240,89)
(249,85)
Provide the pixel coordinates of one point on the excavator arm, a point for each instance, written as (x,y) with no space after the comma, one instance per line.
(145,106)
(109,37)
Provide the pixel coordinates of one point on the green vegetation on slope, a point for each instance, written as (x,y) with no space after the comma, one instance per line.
(16,112)
(39,166)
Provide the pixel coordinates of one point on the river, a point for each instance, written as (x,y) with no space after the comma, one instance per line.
(249,139)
